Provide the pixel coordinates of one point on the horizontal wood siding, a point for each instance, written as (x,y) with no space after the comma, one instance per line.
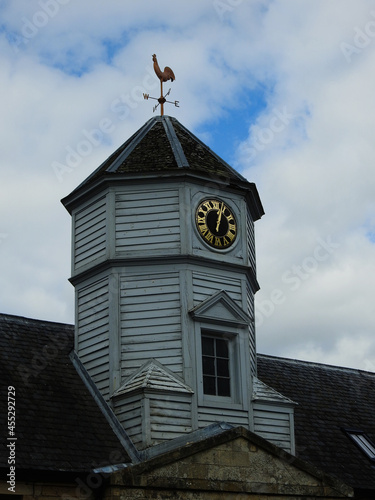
(207,415)
(250,240)
(147,221)
(205,284)
(129,413)
(273,424)
(90,233)
(151,321)
(93,328)
(170,416)
(252,333)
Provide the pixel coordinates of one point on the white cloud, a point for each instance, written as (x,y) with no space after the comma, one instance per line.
(86,67)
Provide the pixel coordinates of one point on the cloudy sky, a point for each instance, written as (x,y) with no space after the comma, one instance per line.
(283,90)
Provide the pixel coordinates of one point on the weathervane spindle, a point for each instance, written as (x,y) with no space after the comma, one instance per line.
(163,76)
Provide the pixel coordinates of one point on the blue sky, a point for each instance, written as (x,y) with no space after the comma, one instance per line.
(282,90)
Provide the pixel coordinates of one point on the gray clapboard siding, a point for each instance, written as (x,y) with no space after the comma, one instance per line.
(170,416)
(93,327)
(147,218)
(207,415)
(152,417)
(129,413)
(206,284)
(150,311)
(252,333)
(250,240)
(90,233)
(275,425)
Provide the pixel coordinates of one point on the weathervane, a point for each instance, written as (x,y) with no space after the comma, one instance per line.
(163,76)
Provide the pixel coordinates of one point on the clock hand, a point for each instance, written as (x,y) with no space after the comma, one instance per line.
(220,213)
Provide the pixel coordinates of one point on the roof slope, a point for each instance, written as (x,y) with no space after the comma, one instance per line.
(329,399)
(163,144)
(164,147)
(58,425)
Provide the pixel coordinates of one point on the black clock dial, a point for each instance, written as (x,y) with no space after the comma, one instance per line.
(216,223)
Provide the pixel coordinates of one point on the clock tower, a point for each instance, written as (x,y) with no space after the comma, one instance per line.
(163,265)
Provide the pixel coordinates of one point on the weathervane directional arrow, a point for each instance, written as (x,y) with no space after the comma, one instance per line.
(163,76)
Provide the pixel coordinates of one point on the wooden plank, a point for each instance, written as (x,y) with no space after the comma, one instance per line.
(155,242)
(90,212)
(148,232)
(165,301)
(98,311)
(146,206)
(88,226)
(134,332)
(92,350)
(163,420)
(140,196)
(154,337)
(126,223)
(170,430)
(84,342)
(97,360)
(204,285)
(271,416)
(90,256)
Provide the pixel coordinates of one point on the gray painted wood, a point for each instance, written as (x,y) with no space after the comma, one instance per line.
(89,233)
(138,308)
(275,423)
(147,218)
(92,332)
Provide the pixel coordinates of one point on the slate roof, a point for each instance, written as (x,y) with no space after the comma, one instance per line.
(329,399)
(182,153)
(59,427)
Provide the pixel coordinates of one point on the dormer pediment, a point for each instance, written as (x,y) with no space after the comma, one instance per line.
(220,308)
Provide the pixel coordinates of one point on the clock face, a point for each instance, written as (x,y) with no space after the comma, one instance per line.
(216,223)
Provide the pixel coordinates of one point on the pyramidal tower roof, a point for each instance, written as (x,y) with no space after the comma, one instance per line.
(163,147)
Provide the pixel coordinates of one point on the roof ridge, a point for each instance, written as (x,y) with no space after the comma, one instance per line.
(314,363)
(23,319)
(209,150)
(132,144)
(175,143)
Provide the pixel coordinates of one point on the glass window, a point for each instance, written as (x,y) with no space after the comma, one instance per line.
(215,366)
(363,442)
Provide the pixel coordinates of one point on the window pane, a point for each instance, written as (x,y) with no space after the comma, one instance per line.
(209,385)
(364,444)
(223,387)
(208,346)
(221,348)
(208,366)
(215,366)
(222,367)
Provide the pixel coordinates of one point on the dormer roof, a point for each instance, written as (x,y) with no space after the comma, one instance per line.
(153,376)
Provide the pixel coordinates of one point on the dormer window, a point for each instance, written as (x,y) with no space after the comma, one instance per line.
(215,366)
(222,368)
(363,442)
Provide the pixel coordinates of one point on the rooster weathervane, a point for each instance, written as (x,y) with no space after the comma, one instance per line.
(163,76)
